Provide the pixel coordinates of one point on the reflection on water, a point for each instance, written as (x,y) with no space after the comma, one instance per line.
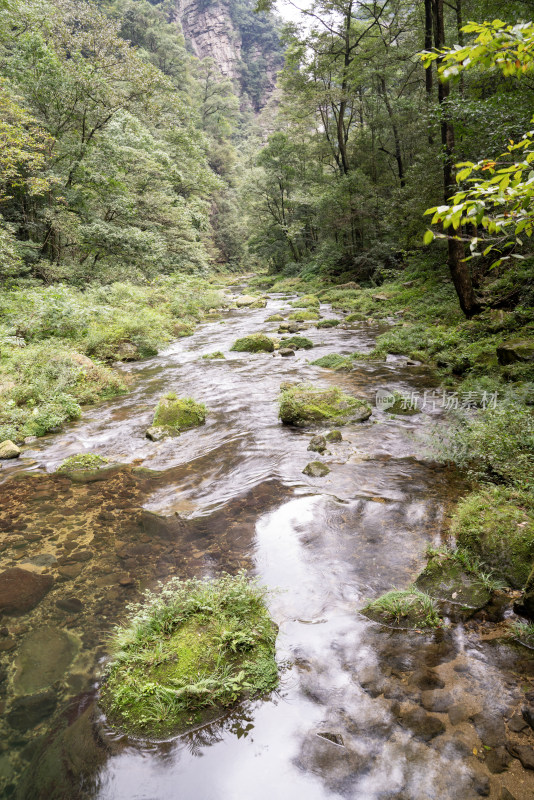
(361,712)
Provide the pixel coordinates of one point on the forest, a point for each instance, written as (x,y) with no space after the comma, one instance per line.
(210,209)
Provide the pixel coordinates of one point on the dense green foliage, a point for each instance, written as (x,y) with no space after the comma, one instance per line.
(188,651)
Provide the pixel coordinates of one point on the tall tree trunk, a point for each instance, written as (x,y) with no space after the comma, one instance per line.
(395,129)
(428,70)
(460,273)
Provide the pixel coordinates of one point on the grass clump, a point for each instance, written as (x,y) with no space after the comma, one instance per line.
(188,651)
(304,316)
(496,524)
(405,608)
(524,632)
(306,301)
(83,461)
(211,356)
(328,323)
(175,414)
(334,361)
(297,342)
(255,343)
(301,404)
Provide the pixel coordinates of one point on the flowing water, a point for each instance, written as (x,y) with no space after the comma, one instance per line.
(362,711)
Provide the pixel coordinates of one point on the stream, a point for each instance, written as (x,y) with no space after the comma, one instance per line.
(362,711)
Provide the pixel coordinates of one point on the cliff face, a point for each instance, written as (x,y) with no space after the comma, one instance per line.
(244,45)
(211,33)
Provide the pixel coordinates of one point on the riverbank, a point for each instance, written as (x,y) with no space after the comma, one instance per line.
(57,344)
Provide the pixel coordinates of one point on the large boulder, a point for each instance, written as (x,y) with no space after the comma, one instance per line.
(301,404)
(246,300)
(512,352)
(255,343)
(175,414)
(21,590)
(9,449)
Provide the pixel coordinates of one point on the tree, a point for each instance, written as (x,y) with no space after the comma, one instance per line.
(499,209)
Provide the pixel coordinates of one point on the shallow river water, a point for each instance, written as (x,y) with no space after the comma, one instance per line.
(362,712)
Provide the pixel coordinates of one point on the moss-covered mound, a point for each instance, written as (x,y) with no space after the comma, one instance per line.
(211,356)
(304,316)
(445,578)
(175,414)
(409,608)
(495,526)
(275,318)
(189,650)
(328,323)
(298,342)
(255,343)
(306,301)
(401,405)
(87,468)
(334,361)
(302,404)
(82,461)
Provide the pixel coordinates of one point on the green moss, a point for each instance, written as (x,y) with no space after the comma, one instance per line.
(301,404)
(83,461)
(409,608)
(255,343)
(333,437)
(328,323)
(304,316)
(497,526)
(449,578)
(297,342)
(189,650)
(275,318)
(335,362)
(176,414)
(355,317)
(210,356)
(306,301)
(401,405)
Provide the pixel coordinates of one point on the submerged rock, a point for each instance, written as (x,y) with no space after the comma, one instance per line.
(9,449)
(43,658)
(255,343)
(301,404)
(27,712)
(21,590)
(316,469)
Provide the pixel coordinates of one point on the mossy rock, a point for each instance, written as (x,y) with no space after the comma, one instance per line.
(260,303)
(497,525)
(306,301)
(189,651)
(356,316)
(525,606)
(334,361)
(211,356)
(404,608)
(304,316)
(297,342)
(255,343)
(87,468)
(400,405)
(316,469)
(275,318)
(515,351)
(175,414)
(182,329)
(328,323)
(459,592)
(302,404)
(334,437)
